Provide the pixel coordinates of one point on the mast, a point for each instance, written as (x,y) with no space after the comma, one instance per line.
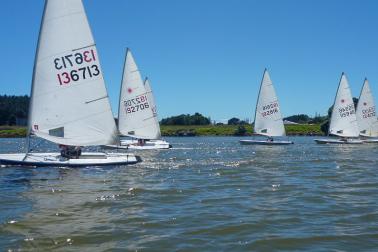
(120,92)
(334,102)
(27,144)
(257,102)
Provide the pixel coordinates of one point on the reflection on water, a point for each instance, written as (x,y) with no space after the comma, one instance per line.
(208,193)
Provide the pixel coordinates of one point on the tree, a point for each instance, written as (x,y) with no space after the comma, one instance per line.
(196,119)
(13,107)
(240,131)
(234,121)
(302,118)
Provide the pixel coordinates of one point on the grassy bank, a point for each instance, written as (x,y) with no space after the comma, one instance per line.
(12,131)
(229,130)
(193,130)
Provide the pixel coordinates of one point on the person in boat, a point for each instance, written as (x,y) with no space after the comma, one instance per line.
(68,151)
(141,142)
(270,139)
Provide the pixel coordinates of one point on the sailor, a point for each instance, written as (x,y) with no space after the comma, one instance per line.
(141,142)
(270,139)
(67,151)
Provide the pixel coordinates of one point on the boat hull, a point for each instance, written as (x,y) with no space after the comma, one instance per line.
(370,140)
(338,141)
(148,145)
(265,142)
(55,159)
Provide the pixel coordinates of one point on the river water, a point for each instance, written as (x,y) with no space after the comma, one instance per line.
(206,194)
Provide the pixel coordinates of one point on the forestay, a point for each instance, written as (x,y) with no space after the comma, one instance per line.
(366,116)
(150,97)
(268,119)
(135,116)
(69,101)
(343,119)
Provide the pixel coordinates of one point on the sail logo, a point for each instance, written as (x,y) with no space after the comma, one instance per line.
(270,109)
(346,111)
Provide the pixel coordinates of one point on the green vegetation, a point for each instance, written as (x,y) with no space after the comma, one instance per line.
(200,130)
(236,121)
(13,109)
(233,130)
(305,119)
(196,119)
(196,130)
(303,129)
(12,131)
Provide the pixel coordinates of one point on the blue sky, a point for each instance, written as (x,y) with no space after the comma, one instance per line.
(208,56)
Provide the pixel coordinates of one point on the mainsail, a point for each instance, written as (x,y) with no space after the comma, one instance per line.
(150,97)
(135,116)
(69,102)
(343,120)
(366,116)
(268,119)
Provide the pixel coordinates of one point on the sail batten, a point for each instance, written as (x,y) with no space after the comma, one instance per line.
(268,118)
(69,102)
(343,120)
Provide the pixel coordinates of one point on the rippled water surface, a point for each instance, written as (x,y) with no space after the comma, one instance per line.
(206,194)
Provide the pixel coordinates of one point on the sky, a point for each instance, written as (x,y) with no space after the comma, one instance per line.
(208,56)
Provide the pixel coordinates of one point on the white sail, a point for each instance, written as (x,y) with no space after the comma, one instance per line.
(366,116)
(268,119)
(150,97)
(69,102)
(135,116)
(343,120)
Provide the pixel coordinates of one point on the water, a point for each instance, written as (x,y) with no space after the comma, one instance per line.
(207,194)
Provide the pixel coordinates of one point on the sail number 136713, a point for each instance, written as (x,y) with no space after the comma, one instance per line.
(84,64)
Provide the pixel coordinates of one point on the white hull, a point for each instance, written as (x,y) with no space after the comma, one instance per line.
(338,141)
(55,159)
(265,142)
(148,145)
(373,140)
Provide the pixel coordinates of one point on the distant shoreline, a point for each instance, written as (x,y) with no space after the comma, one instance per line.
(194,130)
(231,130)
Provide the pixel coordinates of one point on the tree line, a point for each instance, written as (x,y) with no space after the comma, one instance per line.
(13,109)
(196,119)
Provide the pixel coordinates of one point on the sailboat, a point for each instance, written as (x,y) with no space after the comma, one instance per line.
(137,115)
(343,119)
(69,104)
(268,119)
(366,115)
